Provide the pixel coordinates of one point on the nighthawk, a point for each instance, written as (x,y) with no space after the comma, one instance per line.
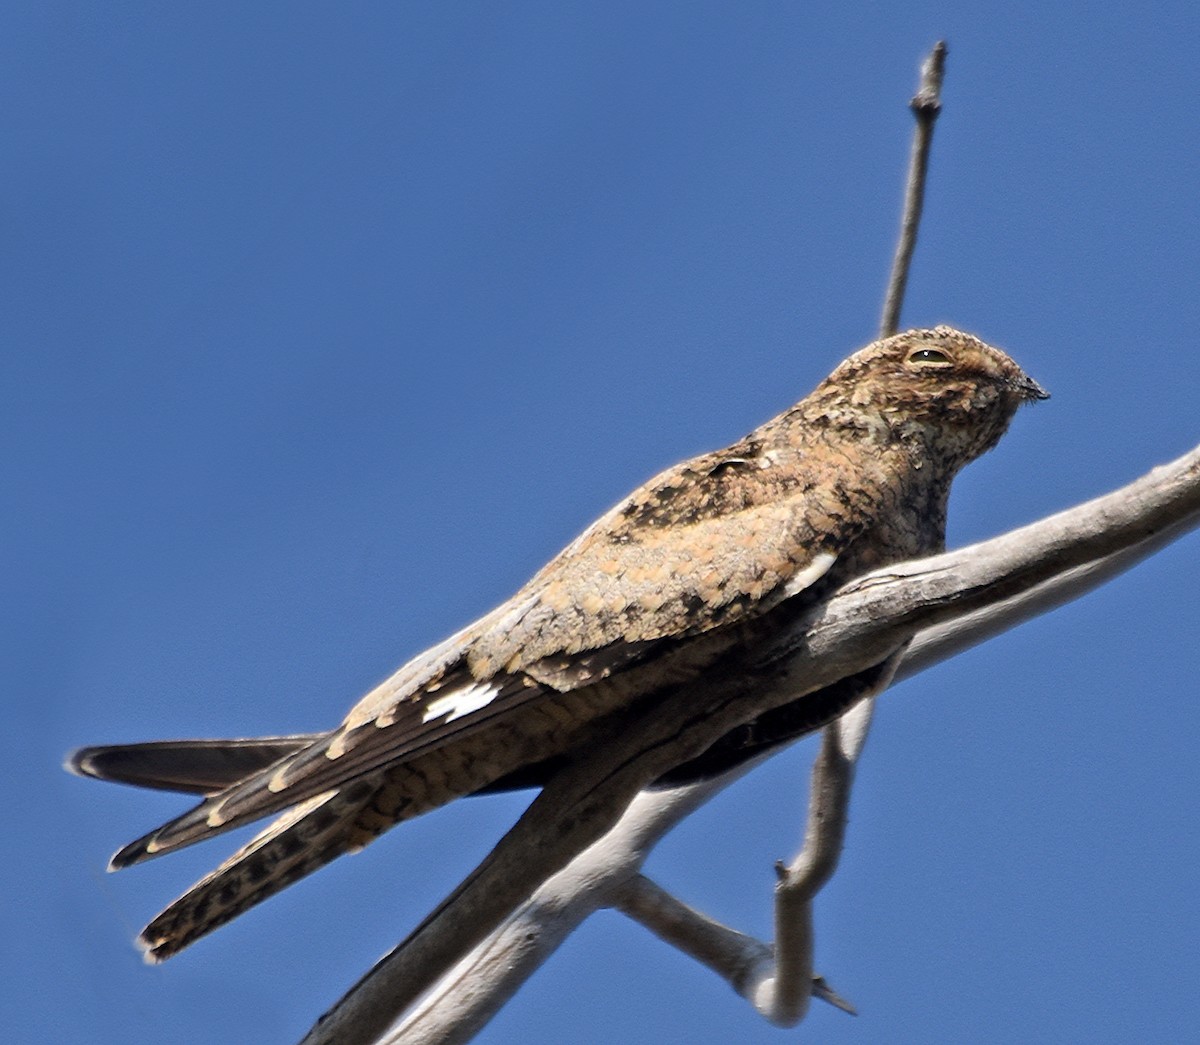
(701,563)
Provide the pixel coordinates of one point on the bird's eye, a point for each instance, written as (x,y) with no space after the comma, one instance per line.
(930,357)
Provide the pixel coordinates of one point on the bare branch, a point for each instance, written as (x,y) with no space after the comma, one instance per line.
(466,998)
(926,105)
(828,805)
(829,800)
(942,641)
(949,596)
(786,994)
(744,962)
(732,955)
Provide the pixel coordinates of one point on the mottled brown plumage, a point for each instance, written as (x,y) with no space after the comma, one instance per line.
(693,566)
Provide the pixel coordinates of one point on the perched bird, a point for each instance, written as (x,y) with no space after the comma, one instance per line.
(693,569)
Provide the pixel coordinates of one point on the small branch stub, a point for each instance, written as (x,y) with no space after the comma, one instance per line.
(927,102)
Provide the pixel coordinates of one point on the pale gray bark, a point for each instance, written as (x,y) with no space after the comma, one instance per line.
(581,843)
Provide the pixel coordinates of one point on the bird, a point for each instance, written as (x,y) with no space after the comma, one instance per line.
(690,573)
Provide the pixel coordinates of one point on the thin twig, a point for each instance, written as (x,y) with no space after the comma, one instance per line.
(744,962)
(833,769)
(731,954)
(926,104)
(799,883)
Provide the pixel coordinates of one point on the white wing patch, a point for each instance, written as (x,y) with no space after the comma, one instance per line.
(808,576)
(460,702)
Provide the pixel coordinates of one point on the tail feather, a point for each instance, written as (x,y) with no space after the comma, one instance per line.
(318,829)
(202,767)
(331,760)
(304,839)
(204,820)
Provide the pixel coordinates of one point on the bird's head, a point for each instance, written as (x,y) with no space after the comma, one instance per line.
(943,388)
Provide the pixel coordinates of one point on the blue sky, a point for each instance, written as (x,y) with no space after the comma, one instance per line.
(325,326)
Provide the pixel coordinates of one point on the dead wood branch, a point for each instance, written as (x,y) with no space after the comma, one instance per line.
(572,850)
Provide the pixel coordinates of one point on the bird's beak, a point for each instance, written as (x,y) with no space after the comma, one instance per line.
(1030,390)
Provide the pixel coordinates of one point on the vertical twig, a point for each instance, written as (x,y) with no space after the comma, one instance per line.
(926,105)
(842,741)
(829,799)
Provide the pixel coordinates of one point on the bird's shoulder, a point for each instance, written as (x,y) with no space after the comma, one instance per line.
(720,537)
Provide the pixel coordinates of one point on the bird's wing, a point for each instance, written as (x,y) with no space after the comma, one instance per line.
(449,708)
(694,549)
